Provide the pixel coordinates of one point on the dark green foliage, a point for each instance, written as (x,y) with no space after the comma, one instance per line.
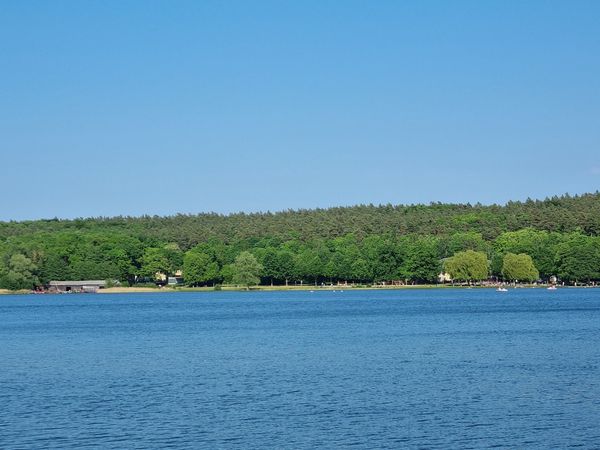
(383,257)
(560,214)
(200,269)
(153,262)
(363,243)
(539,244)
(308,265)
(421,261)
(578,258)
(461,241)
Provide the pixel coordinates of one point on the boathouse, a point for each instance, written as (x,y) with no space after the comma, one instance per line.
(76,286)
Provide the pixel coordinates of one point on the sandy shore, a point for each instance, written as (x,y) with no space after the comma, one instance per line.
(135,290)
(125,290)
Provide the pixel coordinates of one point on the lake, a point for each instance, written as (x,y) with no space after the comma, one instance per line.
(447,368)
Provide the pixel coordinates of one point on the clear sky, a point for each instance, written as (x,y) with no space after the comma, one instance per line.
(160,107)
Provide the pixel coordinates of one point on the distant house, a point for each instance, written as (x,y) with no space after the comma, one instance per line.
(444,277)
(172,280)
(162,278)
(76,286)
(175,280)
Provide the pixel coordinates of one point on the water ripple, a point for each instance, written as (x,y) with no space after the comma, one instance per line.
(453,369)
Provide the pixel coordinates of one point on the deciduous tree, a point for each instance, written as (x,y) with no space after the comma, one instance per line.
(246,270)
(519,268)
(467,266)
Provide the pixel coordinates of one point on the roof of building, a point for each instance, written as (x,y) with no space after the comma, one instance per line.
(78,283)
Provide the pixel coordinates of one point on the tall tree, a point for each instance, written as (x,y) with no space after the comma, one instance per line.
(308,265)
(519,268)
(467,266)
(382,256)
(155,261)
(199,268)
(246,270)
(421,261)
(539,244)
(18,273)
(270,263)
(578,258)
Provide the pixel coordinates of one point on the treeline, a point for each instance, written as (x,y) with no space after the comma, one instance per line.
(356,244)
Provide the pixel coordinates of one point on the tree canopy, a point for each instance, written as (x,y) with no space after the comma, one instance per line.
(467,266)
(246,270)
(519,267)
(363,244)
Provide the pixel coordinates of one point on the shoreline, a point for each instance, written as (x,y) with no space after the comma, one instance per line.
(150,290)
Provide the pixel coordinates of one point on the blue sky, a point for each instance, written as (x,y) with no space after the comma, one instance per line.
(160,107)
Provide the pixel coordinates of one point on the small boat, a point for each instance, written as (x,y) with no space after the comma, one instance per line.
(501,289)
(551,288)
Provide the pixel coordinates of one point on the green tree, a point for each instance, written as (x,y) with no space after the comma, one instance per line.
(123,264)
(467,266)
(286,267)
(165,260)
(361,271)
(55,266)
(212,273)
(459,242)
(18,273)
(246,270)
(382,256)
(226,273)
(519,268)
(421,262)
(394,241)
(308,265)
(174,255)
(540,245)
(578,258)
(270,264)
(344,251)
(154,261)
(199,268)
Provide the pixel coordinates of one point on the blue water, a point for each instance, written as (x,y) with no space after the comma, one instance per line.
(365,369)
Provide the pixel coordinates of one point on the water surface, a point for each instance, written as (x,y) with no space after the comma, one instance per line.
(364,369)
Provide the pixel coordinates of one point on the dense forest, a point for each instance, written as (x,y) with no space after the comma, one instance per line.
(535,239)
